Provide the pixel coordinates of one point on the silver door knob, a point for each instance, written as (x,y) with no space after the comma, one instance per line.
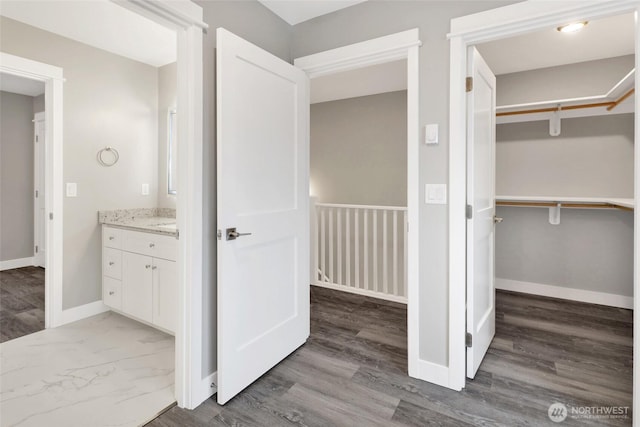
(148,266)
(111,262)
(497,219)
(232,234)
(152,245)
(154,267)
(111,292)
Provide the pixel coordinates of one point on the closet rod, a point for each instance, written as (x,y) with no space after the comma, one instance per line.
(610,106)
(564,205)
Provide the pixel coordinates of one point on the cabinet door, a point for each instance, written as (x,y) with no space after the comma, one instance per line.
(165,294)
(137,280)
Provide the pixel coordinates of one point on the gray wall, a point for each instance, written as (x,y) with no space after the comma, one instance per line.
(563,82)
(379,18)
(16,176)
(108,101)
(590,249)
(593,157)
(359,150)
(255,23)
(167,100)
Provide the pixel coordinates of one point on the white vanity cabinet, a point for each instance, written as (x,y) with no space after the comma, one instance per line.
(140,275)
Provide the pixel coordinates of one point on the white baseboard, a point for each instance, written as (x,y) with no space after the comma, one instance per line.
(206,389)
(363,292)
(16,263)
(431,372)
(581,295)
(82,312)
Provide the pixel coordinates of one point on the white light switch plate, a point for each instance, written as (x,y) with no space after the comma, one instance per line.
(145,189)
(72,189)
(431,134)
(435,194)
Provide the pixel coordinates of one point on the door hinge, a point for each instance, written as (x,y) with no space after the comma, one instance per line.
(36,248)
(469,84)
(468,340)
(469,212)
(37,137)
(51,215)
(219,234)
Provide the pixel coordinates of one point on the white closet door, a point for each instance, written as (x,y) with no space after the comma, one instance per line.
(481,142)
(263,189)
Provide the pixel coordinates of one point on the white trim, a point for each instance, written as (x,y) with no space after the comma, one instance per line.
(363,292)
(16,263)
(552,291)
(403,45)
(185,17)
(371,52)
(82,312)
(39,168)
(432,372)
(53,78)
(490,25)
(206,387)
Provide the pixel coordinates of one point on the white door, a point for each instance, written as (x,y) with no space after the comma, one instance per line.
(263,189)
(39,222)
(137,285)
(165,293)
(481,114)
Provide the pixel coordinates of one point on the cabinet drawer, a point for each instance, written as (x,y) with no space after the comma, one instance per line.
(112,292)
(155,245)
(111,237)
(112,263)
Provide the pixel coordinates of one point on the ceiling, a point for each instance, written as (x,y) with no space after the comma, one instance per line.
(604,38)
(296,11)
(20,85)
(381,78)
(99,23)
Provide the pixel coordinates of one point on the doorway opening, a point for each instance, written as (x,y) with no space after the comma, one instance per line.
(465,36)
(23,245)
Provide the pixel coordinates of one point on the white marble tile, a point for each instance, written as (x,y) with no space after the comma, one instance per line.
(107,370)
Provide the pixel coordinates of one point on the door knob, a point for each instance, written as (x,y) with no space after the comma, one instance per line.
(497,219)
(232,234)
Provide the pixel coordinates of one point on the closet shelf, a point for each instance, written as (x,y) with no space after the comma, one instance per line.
(566,202)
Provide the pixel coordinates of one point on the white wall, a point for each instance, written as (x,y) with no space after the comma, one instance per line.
(359,150)
(108,101)
(16,176)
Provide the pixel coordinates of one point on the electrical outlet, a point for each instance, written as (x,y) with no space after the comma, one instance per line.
(145,189)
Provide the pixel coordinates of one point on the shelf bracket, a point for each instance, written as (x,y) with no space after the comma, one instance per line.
(555,123)
(554,214)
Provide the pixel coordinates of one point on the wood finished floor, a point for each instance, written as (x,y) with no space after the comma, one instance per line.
(352,370)
(21,302)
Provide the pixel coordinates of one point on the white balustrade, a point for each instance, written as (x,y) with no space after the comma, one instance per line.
(361,249)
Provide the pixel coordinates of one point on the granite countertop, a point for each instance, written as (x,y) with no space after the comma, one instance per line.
(151,220)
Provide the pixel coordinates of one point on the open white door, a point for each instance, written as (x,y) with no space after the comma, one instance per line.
(39,232)
(481,141)
(263,190)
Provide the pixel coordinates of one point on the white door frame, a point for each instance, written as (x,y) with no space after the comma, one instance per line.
(53,80)
(39,162)
(403,45)
(192,386)
(490,25)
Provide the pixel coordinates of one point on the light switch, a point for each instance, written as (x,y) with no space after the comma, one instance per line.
(431,134)
(72,189)
(435,194)
(145,189)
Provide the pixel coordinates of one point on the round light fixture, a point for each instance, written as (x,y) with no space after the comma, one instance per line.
(573,27)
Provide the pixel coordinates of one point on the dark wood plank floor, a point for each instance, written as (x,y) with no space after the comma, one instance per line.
(21,302)
(352,370)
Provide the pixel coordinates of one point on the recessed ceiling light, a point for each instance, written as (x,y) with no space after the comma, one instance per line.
(573,27)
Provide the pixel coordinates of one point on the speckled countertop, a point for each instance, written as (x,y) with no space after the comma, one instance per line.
(153,220)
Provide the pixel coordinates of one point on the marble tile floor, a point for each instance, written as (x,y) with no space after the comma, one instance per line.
(21,302)
(106,370)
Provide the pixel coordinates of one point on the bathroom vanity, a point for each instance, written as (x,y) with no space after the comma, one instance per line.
(139,272)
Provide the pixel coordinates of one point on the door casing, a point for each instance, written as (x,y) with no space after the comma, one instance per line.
(482,27)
